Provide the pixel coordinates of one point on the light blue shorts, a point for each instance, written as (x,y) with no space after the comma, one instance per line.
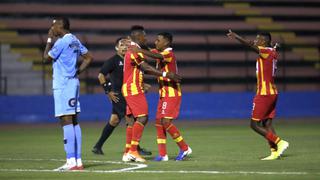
(66,98)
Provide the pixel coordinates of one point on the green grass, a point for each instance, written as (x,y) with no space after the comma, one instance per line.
(233,149)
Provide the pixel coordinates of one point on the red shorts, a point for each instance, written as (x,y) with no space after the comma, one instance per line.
(264,107)
(137,105)
(168,107)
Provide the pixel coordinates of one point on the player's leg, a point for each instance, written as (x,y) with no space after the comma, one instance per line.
(106,132)
(137,131)
(129,123)
(170,108)
(66,106)
(264,108)
(267,124)
(69,143)
(161,135)
(78,141)
(139,109)
(282,145)
(273,147)
(161,141)
(174,132)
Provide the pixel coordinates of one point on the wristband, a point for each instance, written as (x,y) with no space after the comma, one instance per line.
(164,74)
(107,87)
(49,40)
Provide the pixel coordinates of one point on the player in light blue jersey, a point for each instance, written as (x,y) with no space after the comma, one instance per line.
(64,53)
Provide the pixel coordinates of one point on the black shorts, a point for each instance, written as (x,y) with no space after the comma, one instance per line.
(120,107)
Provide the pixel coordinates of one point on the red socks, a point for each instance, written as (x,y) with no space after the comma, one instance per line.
(175,134)
(272,137)
(161,138)
(137,131)
(128,138)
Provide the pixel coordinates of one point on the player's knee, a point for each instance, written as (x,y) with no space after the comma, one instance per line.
(253,124)
(166,122)
(129,121)
(114,122)
(66,120)
(143,120)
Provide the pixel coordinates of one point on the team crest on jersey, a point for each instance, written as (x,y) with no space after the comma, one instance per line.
(120,63)
(72,102)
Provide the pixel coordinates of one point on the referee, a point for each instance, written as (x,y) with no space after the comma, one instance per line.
(112,87)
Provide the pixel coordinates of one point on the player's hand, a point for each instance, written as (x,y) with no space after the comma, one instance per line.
(146,87)
(50,32)
(175,77)
(231,34)
(113,96)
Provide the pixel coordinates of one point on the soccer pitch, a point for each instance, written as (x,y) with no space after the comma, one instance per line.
(226,149)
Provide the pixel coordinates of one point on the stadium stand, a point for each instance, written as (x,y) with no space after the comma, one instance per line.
(207,59)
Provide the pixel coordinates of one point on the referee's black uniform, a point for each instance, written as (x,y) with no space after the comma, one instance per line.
(114,67)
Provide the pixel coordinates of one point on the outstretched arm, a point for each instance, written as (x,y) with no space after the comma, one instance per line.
(152,71)
(147,53)
(233,35)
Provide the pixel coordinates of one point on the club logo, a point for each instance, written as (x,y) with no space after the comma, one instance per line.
(72,102)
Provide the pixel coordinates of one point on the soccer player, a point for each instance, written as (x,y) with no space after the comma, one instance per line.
(170,98)
(264,103)
(112,87)
(64,53)
(137,107)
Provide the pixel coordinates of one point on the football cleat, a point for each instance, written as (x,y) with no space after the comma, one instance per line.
(282,146)
(125,157)
(97,151)
(67,167)
(183,154)
(161,158)
(273,156)
(135,156)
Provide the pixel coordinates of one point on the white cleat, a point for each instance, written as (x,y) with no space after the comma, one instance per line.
(125,158)
(182,154)
(67,167)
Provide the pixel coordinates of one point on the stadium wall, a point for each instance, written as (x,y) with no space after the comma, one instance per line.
(39,109)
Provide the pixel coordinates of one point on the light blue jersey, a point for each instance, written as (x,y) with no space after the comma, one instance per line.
(65,53)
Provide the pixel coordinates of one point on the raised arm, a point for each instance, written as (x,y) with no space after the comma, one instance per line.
(233,35)
(46,57)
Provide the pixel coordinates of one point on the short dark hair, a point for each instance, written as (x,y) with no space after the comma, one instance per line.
(137,28)
(166,36)
(65,22)
(266,35)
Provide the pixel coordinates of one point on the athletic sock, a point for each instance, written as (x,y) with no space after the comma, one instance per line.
(175,134)
(128,138)
(161,139)
(273,146)
(270,136)
(78,143)
(107,131)
(137,131)
(69,140)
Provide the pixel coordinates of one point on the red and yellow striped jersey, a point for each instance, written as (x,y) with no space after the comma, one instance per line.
(265,70)
(132,75)
(167,87)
